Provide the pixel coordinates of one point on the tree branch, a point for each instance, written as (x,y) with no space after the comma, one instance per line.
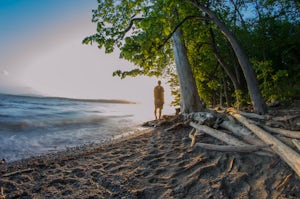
(238,12)
(178,25)
(130,25)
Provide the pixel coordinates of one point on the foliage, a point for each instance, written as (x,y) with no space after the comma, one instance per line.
(271,82)
(269,31)
(137,28)
(174,85)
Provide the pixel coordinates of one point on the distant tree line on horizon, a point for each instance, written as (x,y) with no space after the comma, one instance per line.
(231,52)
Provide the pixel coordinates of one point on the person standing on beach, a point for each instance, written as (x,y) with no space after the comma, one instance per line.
(158,100)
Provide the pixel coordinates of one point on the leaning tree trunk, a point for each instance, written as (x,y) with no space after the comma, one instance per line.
(190,100)
(252,83)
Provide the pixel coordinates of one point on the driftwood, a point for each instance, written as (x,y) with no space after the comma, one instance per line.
(291,157)
(230,148)
(291,122)
(236,128)
(285,140)
(251,115)
(206,118)
(223,137)
(242,132)
(17,172)
(287,133)
(285,118)
(296,143)
(276,124)
(218,134)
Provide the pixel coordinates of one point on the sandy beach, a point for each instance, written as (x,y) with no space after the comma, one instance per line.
(150,164)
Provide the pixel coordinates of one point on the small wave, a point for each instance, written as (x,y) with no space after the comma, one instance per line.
(24,125)
(2,115)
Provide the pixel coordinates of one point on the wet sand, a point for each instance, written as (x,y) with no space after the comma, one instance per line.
(150,164)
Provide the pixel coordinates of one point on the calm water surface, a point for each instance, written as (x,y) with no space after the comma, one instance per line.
(34,125)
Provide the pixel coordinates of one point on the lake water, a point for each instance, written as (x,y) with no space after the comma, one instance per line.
(36,125)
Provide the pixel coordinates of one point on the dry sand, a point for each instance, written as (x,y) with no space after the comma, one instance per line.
(151,164)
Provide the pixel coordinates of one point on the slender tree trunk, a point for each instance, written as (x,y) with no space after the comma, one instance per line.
(221,92)
(252,83)
(221,61)
(190,100)
(228,101)
(229,72)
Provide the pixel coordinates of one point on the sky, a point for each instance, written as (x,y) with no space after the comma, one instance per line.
(41,53)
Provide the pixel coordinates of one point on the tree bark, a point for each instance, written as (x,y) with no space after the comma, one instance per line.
(190,100)
(252,83)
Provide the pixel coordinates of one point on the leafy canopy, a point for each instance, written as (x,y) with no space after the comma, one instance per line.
(140,29)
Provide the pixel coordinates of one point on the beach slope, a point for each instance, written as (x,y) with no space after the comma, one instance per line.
(150,164)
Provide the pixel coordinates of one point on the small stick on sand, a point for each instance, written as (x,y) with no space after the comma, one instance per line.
(17,172)
(192,135)
(284,182)
(2,195)
(230,165)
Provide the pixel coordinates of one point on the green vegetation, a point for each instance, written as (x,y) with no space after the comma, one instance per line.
(267,33)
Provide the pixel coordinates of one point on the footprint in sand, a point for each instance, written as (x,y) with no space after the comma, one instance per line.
(78,173)
(159,171)
(61,183)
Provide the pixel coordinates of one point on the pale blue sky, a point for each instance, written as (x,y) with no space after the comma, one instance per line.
(41,52)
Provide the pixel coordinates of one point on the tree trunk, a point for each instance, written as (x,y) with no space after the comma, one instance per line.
(221,61)
(227,97)
(190,100)
(252,83)
(221,92)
